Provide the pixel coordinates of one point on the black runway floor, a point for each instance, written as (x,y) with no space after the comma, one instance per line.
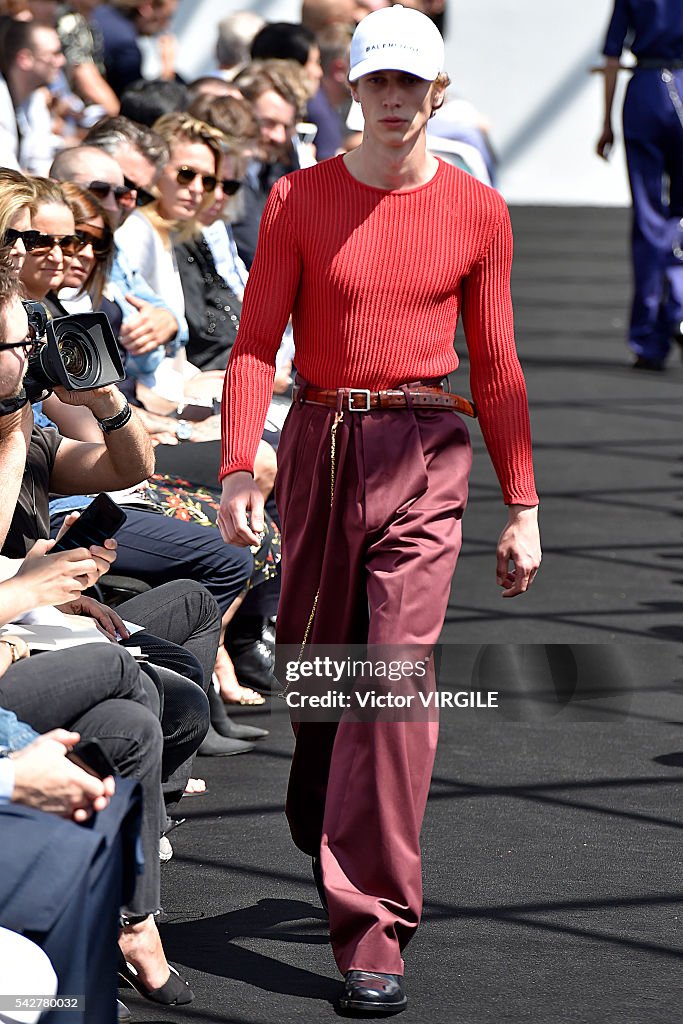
(552,841)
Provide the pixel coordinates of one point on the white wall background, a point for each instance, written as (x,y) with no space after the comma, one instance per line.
(525,63)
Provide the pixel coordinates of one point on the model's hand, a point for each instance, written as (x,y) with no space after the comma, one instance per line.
(46,780)
(103,556)
(519,544)
(48,579)
(150,327)
(111,624)
(605,143)
(240,519)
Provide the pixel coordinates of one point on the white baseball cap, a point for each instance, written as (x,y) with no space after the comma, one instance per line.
(397,39)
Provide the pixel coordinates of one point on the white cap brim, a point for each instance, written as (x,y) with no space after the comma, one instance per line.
(383,62)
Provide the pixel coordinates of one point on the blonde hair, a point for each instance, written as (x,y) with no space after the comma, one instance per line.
(17,193)
(47,192)
(181,127)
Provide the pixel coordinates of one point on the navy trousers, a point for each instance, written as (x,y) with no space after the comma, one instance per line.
(61,885)
(653,136)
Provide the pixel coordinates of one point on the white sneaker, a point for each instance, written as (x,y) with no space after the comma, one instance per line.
(165,849)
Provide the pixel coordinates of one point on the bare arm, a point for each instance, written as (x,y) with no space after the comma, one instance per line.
(606,140)
(89,84)
(124,457)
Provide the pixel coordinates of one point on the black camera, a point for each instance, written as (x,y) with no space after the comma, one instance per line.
(80,353)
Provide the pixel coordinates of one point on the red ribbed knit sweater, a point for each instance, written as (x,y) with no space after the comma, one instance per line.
(375,282)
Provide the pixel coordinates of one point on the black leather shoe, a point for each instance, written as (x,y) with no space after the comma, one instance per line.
(318,879)
(254,665)
(370,992)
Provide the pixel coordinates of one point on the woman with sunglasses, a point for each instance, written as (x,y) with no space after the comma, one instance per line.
(54,244)
(212,308)
(185,187)
(86,277)
(16,195)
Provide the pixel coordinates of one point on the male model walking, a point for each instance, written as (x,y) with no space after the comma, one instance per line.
(375,254)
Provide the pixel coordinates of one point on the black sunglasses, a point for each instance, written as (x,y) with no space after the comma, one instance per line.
(122,193)
(42,244)
(101,244)
(186,175)
(142,196)
(231,186)
(29,238)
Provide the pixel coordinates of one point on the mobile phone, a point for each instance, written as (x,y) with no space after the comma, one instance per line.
(93,756)
(101,519)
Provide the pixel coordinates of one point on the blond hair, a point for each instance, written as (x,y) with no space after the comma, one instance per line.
(17,192)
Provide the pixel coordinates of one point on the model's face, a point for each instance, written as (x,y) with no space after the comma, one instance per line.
(85,260)
(275,117)
(44,268)
(396,106)
(21,221)
(13,329)
(194,163)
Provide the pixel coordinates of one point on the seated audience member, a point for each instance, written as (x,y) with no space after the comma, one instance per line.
(329,107)
(277,93)
(212,309)
(61,883)
(186,184)
(87,276)
(148,323)
(122,23)
(144,102)
(320,14)
(235,34)
(84,53)
(30,59)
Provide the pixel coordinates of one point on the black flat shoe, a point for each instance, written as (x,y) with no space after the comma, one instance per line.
(174,992)
(318,879)
(370,992)
(214,745)
(234,731)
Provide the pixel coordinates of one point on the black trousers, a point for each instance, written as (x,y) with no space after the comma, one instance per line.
(98,691)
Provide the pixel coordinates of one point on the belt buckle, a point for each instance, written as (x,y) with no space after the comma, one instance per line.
(359,391)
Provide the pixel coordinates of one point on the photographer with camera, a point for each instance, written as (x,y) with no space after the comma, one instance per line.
(124,457)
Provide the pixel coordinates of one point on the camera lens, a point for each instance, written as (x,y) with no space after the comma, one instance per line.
(75,355)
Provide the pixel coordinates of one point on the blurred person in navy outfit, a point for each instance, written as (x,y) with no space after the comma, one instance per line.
(653,137)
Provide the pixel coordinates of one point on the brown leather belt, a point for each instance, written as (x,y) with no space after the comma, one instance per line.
(362,400)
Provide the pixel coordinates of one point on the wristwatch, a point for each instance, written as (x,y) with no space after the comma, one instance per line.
(183,430)
(14,648)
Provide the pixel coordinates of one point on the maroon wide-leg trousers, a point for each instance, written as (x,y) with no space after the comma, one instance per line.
(382,558)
